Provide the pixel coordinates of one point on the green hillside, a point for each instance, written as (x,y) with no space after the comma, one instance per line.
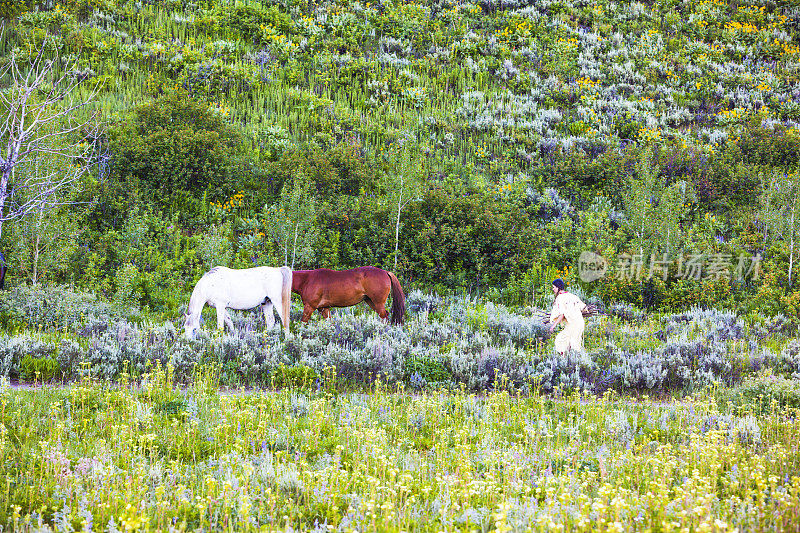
(246,133)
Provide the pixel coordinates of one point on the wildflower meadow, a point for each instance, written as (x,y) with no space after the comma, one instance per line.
(644,153)
(461,419)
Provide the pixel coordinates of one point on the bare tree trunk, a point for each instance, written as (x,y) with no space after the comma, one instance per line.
(42,121)
(294,246)
(36,260)
(641,242)
(3,191)
(397,224)
(286,251)
(36,248)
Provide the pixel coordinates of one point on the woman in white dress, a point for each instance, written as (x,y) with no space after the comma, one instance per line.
(567,308)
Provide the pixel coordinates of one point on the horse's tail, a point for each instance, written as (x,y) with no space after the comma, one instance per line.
(286,295)
(398,300)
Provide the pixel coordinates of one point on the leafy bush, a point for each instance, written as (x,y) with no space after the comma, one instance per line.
(710,324)
(38,369)
(764,392)
(419,302)
(427,369)
(789,361)
(13,350)
(294,377)
(51,307)
(174,150)
(626,312)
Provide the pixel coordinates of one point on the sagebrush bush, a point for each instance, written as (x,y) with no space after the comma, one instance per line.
(52,307)
(789,361)
(764,392)
(463,343)
(626,312)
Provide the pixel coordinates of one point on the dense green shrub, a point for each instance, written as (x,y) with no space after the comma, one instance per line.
(175,151)
(148,262)
(297,377)
(38,369)
(425,369)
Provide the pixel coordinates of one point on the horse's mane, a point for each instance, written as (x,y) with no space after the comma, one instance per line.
(212,271)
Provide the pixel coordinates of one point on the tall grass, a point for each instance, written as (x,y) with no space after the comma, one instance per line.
(153,456)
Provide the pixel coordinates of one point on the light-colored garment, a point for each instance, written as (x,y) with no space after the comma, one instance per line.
(571,337)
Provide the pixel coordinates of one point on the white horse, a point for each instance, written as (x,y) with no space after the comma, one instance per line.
(223,287)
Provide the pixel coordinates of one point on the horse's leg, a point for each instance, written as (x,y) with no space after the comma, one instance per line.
(221,316)
(269,318)
(325,312)
(307,312)
(274,300)
(378,308)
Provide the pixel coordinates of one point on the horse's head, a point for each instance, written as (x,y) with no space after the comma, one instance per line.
(190,324)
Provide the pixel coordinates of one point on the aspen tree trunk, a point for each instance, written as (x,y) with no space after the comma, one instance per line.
(294,246)
(3,191)
(397,224)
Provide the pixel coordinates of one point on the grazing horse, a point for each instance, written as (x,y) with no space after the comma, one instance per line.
(322,289)
(2,271)
(223,287)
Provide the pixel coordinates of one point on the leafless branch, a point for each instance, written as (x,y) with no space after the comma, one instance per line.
(49,141)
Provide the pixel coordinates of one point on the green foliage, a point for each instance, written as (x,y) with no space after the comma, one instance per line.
(10,9)
(615,289)
(145,261)
(51,307)
(477,317)
(764,393)
(779,147)
(428,368)
(45,246)
(174,150)
(299,107)
(654,210)
(294,377)
(290,225)
(780,211)
(251,19)
(214,246)
(39,369)
(172,409)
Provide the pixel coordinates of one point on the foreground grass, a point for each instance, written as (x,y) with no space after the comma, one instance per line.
(102,456)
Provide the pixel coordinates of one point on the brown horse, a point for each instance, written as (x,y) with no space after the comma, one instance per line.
(322,289)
